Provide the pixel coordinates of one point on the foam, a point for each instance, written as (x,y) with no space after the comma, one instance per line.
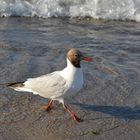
(98,9)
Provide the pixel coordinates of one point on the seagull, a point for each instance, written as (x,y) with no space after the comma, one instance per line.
(59,84)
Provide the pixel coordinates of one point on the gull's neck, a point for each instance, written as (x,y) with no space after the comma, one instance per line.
(71,71)
(71,66)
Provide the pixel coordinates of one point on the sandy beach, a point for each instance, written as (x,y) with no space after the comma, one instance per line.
(109,102)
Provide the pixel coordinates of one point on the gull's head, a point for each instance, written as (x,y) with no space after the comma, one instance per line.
(75,57)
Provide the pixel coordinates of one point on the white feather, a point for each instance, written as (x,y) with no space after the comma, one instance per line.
(57,84)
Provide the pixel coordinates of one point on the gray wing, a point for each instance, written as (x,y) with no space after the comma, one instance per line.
(50,85)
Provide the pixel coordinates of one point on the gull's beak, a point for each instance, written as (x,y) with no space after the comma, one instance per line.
(87,58)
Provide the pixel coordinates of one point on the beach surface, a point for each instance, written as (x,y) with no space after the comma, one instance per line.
(109,102)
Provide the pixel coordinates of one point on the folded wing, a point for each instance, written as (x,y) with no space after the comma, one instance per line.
(50,85)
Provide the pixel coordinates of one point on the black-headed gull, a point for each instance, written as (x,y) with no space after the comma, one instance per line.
(58,84)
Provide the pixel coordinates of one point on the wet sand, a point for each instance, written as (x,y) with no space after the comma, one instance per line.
(109,102)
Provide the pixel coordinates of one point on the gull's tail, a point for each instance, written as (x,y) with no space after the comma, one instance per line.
(16,86)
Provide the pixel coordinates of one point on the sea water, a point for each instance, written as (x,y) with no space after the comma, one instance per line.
(34,38)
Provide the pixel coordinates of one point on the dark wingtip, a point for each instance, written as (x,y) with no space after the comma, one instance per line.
(17,84)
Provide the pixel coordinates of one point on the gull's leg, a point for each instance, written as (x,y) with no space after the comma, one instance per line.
(48,106)
(72,114)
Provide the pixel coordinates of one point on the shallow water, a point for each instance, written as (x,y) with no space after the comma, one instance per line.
(109,102)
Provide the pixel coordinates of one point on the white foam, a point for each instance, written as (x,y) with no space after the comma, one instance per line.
(104,9)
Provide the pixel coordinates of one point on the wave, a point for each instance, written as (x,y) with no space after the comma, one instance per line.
(98,9)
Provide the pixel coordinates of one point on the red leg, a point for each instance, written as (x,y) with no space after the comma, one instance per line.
(48,106)
(76,119)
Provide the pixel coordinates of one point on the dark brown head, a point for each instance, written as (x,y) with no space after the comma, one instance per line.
(75,57)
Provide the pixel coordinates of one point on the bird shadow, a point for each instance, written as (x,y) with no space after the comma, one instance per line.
(122,112)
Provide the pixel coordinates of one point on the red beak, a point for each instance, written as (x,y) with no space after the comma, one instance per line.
(88,59)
